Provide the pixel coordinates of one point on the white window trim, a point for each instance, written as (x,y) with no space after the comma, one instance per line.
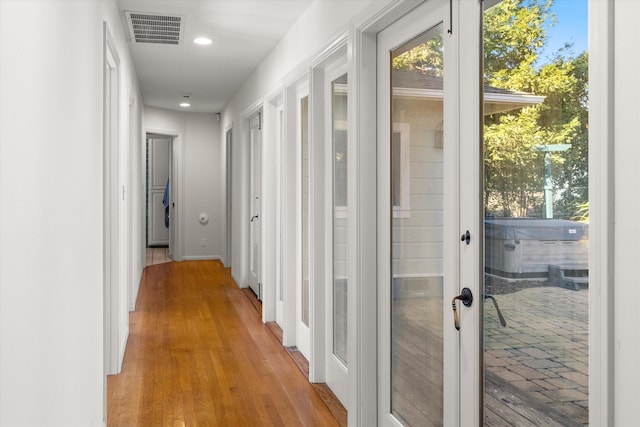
(404,209)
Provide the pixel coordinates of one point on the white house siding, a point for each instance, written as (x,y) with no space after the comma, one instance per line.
(417,237)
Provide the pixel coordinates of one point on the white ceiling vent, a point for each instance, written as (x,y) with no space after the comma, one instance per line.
(155,28)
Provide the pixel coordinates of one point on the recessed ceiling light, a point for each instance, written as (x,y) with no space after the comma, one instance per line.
(202,40)
(185,101)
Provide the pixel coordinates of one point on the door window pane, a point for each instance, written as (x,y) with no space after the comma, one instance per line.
(340,220)
(416,166)
(304,137)
(536,214)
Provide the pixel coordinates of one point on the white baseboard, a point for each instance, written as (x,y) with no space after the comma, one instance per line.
(237,280)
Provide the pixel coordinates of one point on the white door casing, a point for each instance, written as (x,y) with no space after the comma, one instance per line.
(176,196)
(115,291)
(159,171)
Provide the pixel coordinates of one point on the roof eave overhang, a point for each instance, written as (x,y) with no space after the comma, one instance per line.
(494,102)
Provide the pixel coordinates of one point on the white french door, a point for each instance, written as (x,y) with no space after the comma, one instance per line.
(255,205)
(335,104)
(428,181)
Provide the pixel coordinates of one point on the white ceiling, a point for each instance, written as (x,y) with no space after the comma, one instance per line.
(243,33)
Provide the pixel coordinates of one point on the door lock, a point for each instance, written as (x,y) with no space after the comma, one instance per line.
(466,237)
(467,298)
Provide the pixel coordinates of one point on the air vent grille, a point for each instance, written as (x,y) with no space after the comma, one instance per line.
(155,28)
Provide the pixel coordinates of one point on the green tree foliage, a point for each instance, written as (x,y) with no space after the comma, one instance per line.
(426,57)
(514,37)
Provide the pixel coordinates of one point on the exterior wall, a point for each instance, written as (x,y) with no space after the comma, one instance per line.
(51,265)
(420,229)
(200,190)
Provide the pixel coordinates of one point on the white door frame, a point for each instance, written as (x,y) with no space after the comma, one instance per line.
(607,118)
(422,19)
(176,189)
(150,168)
(323,366)
(273,137)
(279,135)
(289,201)
(302,331)
(363,349)
(135,264)
(113,294)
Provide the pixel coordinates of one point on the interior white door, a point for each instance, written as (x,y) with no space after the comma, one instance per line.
(425,194)
(255,204)
(158,177)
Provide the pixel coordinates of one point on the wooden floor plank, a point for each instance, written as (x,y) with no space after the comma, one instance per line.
(198,355)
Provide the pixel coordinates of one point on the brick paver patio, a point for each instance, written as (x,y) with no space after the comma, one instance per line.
(543,351)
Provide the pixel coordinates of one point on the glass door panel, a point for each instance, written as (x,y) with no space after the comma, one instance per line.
(304,138)
(303,337)
(340,220)
(416,233)
(411,182)
(535,315)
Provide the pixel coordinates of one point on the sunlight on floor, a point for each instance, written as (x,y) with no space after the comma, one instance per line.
(158,256)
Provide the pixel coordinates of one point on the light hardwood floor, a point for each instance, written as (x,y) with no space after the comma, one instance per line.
(198,355)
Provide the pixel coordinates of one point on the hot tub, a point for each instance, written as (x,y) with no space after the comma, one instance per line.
(526,247)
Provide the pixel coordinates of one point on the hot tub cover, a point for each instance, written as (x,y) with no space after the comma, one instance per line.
(534,229)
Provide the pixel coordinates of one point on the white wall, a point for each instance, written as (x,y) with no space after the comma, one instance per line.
(51,265)
(199,182)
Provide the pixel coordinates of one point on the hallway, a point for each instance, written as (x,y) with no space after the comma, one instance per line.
(198,355)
